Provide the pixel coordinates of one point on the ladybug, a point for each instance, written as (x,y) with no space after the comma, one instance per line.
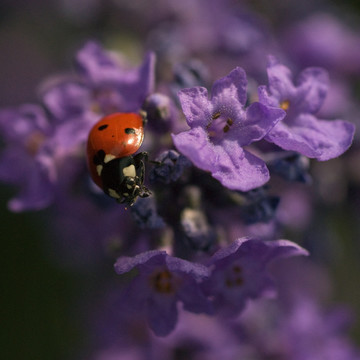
(111,146)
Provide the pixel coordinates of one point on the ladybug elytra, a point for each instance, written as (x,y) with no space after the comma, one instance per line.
(111,146)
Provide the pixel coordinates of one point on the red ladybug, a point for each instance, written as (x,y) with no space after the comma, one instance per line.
(111,144)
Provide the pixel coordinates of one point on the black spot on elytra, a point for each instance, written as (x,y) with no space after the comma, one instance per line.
(103,127)
(130,131)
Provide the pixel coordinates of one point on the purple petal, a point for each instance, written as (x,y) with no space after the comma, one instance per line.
(125,264)
(15,155)
(162,314)
(136,294)
(230,289)
(195,145)
(229,250)
(265,98)
(128,86)
(313,84)
(196,106)
(234,167)
(237,169)
(34,176)
(194,299)
(263,251)
(66,100)
(96,64)
(19,123)
(147,74)
(37,193)
(284,248)
(231,86)
(280,80)
(314,138)
(72,133)
(134,85)
(259,120)
(196,271)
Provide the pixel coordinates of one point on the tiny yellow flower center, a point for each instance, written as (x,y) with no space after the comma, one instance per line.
(34,141)
(95,107)
(163,282)
(285,104)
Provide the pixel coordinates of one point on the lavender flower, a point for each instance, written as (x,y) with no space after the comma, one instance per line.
(300,130)
(66,98)
(103,84)
(239,272)
(221,127)
(39,142)
(160,113)
(39,147)
(25,161)
(115,87)
(145,214)
(169,167)
(161,282)
(289,165)
(259,206)
(199,337)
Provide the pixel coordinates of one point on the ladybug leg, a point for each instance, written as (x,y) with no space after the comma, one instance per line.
(130,191)
(139,160)
(140,157)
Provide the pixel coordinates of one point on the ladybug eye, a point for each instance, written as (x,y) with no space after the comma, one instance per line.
(130,131)
(102,127)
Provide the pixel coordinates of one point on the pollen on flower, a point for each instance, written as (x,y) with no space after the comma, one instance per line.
(226,128)
(234,278)
(163,282)
(34,142)
(285,104)
(218,126)
(216,115)
(95,107)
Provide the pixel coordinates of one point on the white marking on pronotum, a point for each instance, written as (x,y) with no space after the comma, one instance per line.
(113,194)
(129,187)
(129,171)
(109,157)
(99,169)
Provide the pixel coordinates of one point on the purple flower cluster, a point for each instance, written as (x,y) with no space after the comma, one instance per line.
(230,159)
(40,139)
(234,275)
(301,130)
(221,127)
